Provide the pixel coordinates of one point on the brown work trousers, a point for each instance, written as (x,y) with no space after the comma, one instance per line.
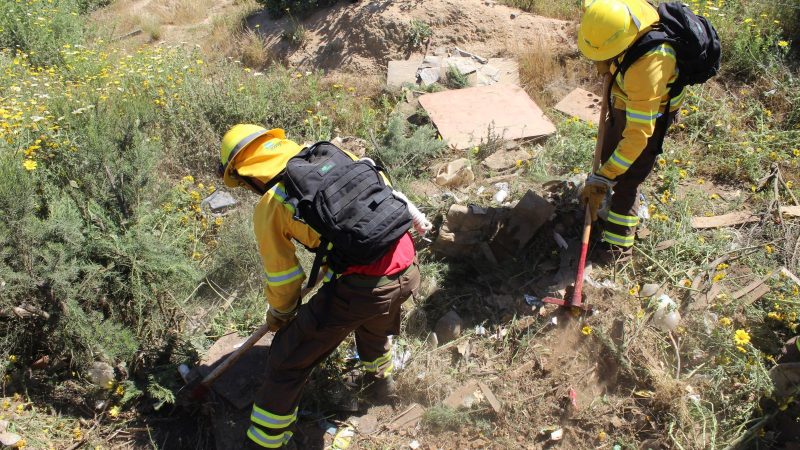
(625,199)
(370,306)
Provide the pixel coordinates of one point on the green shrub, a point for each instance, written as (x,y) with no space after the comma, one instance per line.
(456,79)
(301,8)
(404,154)
(40,28)
(418,33)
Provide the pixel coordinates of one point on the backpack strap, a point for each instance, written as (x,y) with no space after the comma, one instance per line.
(319,258)
(639,48)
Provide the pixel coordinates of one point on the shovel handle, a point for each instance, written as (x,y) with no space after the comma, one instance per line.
(587,218)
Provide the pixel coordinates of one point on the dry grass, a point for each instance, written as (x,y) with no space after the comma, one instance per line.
(549,8)
(548,73)
(182,12)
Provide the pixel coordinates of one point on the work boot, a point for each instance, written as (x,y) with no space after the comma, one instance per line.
(606,255)
(379,390)
(250,445)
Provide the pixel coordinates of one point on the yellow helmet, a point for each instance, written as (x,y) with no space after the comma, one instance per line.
(609,27)
(236,139)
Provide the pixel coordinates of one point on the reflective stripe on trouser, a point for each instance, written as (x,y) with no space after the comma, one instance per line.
(383,365)
(270,430)
(335,311)
(620,227)
(266,440)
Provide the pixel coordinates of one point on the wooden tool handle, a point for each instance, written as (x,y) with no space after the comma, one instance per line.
(587,218)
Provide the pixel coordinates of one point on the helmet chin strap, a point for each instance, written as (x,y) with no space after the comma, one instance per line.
(256,185)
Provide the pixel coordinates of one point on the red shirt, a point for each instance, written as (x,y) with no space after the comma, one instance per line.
(396,259)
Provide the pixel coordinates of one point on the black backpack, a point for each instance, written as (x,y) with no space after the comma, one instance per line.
(347,202)
(694,39)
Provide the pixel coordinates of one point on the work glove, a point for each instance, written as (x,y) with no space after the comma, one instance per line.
(277,319)
(594,191)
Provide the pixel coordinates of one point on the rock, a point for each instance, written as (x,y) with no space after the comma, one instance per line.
(465,396)
(352,144)
(219,201)
(525,219)
(455,174)
(429,75)
(101,374)
(3,426)
(9,439)
(401,72)
(649,290)
(448,327)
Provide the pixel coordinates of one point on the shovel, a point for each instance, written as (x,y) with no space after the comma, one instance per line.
(199,391)
(576,301)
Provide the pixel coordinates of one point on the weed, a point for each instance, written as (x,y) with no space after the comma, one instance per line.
(443,418)
(295,34)
(418,33)
(456,79)
(406,155)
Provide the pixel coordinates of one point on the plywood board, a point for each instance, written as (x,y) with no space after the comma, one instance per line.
(725,220)
(464,117)
(240,382)
(582,104)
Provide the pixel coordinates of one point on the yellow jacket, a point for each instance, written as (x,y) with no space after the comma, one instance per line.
(276,232)
(643,93)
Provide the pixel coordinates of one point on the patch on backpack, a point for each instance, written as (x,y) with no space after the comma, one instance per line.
(326,167)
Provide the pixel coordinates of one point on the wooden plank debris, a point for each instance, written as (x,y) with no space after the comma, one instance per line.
(409,418)
(725,220)
(465,117)
(490,397)
(793,211)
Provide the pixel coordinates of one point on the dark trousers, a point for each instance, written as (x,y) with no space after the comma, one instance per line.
(370,306)
(623,218)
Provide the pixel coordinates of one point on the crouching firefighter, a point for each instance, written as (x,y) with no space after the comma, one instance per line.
(651,55)
(344,210)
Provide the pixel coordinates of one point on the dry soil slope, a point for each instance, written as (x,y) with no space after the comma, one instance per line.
(363,37)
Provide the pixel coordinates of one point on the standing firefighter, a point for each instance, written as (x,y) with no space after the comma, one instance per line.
(652,55)
(342,209)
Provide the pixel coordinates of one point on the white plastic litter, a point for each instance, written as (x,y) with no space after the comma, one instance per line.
(414,445)
(183,369)
(502,192)
(421,222)
(666,317)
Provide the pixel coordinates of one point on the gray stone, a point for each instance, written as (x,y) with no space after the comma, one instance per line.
(649,290)
(9,439)
(448,327)
(101,374)
(429,75)
(401,72)
(219,201)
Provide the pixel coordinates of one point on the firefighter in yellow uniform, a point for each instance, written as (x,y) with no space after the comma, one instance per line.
(364,299)
(635,128)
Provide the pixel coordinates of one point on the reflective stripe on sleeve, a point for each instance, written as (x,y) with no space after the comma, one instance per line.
(620,161)
(641,116)
(281,195)
(285,277)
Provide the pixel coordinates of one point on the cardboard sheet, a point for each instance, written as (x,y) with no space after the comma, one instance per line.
(581,104)
(465,117)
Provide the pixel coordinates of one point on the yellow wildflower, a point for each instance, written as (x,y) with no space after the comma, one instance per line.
(601,436)
(120,391)
(741,349)
(21,444)
(718,277)
(29,165)
(114,412)
(586,330)
(775,316)
(769,249)
(12,358)
(722,266)
(741,337)
(725,322)
(783,44)
(77,433)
